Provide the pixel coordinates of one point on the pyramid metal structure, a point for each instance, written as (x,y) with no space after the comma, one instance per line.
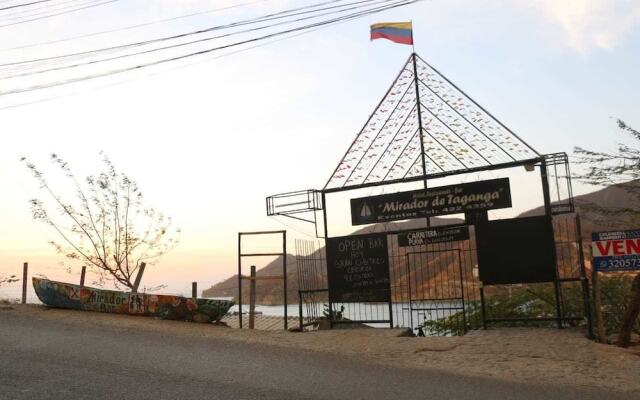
(444,133)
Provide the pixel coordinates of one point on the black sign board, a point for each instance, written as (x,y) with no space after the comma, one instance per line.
(443,200)
(358,268)
(438,234)
(518,250)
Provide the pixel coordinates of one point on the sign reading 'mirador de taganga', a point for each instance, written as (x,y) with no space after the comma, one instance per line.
(616,251)
(453,199)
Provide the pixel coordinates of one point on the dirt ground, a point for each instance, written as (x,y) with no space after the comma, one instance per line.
(518,354)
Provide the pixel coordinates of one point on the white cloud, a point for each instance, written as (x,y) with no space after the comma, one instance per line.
(593,24)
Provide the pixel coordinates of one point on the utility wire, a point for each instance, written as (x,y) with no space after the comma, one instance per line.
(355,15)
(50,7)
(58,13)
(23,5)
(179,67)
(266,17)
(67,39)
(24,15)
(358,5)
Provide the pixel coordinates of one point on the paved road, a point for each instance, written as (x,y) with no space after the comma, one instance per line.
(41,359)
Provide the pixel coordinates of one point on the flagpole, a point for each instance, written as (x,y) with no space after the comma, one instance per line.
(413,43)
(419,108)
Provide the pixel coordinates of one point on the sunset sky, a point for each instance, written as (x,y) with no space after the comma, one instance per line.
(207,139)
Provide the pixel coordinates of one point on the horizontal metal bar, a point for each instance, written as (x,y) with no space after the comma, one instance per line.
(363,321)
(430,251)
(397,231)
(261,233)
(436,176)
(530,319)
(300,211)
(261,278)
(261,254)
(443,299)
(292,204)
(294,193)
(436,309)
(312,290)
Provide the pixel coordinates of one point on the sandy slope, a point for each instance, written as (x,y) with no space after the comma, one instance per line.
(551,356)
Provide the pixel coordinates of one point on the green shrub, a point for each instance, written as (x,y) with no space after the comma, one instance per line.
(531,301)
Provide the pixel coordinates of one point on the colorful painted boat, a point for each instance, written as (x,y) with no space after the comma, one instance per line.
(66,295)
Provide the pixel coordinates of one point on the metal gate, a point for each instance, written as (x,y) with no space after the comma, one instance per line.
(436,292)
(436,286)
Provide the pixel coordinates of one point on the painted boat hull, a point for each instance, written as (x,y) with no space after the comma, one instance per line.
(66,295)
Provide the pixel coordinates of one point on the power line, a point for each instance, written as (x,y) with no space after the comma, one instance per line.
(32,10)
(186,65)
(355,15)
(133,26)
(316,15)
(50,9)
(59,13)
(23,5)
(267,17)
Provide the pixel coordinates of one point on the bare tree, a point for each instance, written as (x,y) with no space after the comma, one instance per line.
(621,168)
(106,225)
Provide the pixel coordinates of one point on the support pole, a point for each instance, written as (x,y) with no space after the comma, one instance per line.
(420,129)
(240,280)
(583,280)
(284,275)
(547,209)
(83,273)
(252,298)
(25,273)
(194,289)
(300,315)
(597,304)
(326,237)
(483,309)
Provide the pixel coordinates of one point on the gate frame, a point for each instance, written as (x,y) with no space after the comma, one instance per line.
(256,278)
(541,161)
(461,298)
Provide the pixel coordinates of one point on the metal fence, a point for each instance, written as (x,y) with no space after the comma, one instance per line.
(435,288)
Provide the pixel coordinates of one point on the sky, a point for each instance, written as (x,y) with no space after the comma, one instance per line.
(207,139)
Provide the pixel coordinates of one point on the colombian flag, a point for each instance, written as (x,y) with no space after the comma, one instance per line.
(399,32)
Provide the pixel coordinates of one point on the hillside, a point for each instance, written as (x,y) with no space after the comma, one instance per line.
(270,292)
(610,197)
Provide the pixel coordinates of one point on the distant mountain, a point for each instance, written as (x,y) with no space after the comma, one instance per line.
(610,197)
(270,291)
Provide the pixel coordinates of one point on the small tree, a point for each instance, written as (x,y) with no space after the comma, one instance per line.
(106,226)
(623,169)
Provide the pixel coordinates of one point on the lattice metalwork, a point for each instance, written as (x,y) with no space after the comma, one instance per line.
(457,133)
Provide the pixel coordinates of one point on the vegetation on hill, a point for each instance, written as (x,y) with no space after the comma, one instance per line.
(623,169)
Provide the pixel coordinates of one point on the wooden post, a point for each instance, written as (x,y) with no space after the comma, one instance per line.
(284,275)
(252,297)
(194,289)
(597,304)
(138,277)
(25,268)
(82,275)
